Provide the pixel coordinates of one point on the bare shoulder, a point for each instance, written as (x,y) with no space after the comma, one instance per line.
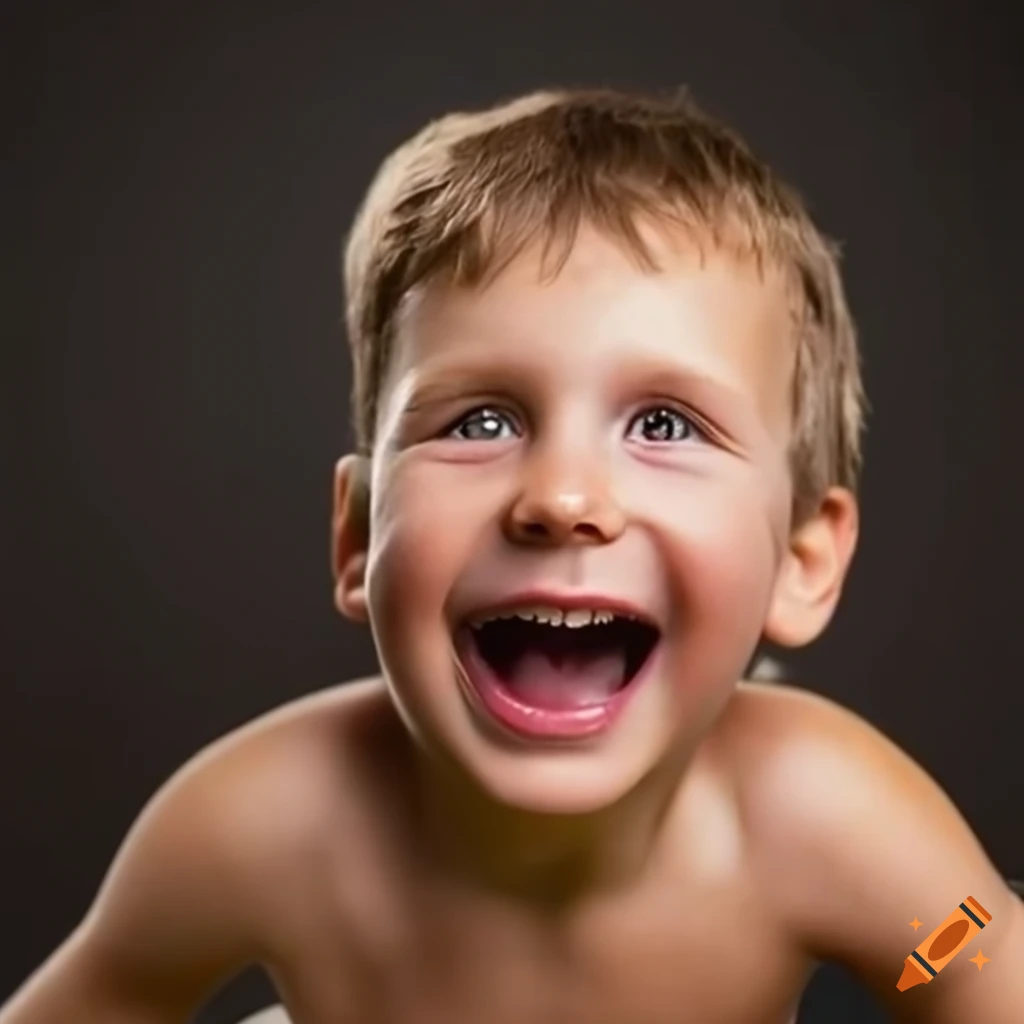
(853,840)
(248,821)
(213,872)
(283,781)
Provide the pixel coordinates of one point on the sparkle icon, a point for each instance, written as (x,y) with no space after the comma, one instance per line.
(980,960)
(915,924)
(925,962)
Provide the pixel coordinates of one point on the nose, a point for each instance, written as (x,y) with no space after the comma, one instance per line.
(564,498)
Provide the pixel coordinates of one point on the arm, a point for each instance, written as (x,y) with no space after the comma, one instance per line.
(858,842)
(171,921)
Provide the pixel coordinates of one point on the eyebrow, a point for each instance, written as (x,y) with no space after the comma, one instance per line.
(446,383)
(682,378)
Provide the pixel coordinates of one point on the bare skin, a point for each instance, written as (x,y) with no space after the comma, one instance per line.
(314,809)
(394,858)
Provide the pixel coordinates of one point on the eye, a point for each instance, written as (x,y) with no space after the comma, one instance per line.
(484,424)
(661,424)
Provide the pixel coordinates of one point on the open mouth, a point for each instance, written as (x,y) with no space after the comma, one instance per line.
(546,670)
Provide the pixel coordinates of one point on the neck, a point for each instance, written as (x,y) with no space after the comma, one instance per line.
(540,858)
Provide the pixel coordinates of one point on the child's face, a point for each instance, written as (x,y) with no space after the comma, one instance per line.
(615,434)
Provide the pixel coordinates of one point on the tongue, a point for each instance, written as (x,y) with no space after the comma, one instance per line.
(566,681)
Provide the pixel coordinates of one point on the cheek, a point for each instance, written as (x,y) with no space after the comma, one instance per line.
(718,546)
(423,532)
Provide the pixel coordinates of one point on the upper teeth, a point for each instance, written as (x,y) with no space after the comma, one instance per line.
(573,618)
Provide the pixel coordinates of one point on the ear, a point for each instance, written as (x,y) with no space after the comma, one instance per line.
(350,536)
(811,577)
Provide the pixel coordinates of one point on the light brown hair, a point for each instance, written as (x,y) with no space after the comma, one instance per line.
(462,197)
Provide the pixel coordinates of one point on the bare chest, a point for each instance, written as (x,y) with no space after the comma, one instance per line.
(656,961)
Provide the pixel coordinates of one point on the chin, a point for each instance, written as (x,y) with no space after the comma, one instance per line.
(580,773)
(554,782)
(569,777)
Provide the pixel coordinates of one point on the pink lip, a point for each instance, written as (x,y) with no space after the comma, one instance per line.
(533,723)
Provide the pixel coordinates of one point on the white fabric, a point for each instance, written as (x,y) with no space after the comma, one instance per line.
(277,1015)
(271,1015)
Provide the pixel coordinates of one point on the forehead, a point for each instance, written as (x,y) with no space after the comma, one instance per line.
(702,309)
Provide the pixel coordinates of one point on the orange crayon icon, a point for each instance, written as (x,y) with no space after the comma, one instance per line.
(943,944)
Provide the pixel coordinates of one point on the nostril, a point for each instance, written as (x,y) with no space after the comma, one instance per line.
(536,530)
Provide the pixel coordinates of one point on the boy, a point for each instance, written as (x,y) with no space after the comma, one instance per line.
(609,408)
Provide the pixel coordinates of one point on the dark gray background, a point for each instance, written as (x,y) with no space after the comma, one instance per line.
(182,178)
